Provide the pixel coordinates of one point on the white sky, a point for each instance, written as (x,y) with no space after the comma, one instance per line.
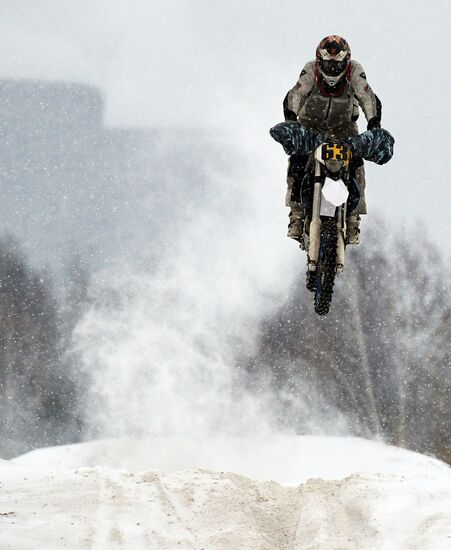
(194,62)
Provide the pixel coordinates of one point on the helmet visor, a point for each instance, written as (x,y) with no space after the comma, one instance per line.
(332,67)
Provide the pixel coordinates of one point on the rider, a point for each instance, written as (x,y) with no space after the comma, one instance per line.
(326,98)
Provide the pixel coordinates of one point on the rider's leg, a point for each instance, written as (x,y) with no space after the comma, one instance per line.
(296,222)
(360,175)
(353,221)
(353,229)
(296,168)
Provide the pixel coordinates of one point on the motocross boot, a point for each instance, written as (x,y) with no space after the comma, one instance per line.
(296,225)
(353,229)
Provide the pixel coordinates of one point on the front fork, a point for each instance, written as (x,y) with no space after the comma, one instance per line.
(315,226)
(341,226)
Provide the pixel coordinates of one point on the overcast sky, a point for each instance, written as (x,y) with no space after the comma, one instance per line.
(229,62)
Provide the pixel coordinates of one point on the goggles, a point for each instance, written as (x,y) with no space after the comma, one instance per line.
(332,67)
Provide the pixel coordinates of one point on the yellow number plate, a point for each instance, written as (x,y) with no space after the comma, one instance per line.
(335,151)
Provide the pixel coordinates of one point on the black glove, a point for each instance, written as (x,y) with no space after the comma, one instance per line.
(374,122)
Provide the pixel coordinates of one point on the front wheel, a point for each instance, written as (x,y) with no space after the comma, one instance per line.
(325,269)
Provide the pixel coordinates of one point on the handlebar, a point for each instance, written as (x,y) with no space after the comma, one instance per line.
(373,145)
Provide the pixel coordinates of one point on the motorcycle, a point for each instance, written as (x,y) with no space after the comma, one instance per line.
(329,192)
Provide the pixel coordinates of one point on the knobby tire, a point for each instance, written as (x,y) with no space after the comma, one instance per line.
(326,267)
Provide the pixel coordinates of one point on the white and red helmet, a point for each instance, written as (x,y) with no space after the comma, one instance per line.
(333,58)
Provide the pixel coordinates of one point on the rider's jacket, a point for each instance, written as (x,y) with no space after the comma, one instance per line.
(324,110)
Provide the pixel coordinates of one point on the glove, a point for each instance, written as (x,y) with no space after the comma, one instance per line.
(374,122)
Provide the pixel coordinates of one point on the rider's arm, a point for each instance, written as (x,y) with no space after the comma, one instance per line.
(296,97)
(368,100)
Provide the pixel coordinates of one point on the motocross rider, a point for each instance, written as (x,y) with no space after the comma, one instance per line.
(326,98)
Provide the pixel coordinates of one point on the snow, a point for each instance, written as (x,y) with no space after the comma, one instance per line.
(168,493)
(287,459)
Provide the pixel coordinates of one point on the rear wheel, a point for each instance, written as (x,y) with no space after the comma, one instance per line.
(325,269)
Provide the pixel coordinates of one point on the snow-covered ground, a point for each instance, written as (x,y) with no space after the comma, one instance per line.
(175,493)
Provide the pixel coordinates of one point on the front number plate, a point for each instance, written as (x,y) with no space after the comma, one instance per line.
(335,192)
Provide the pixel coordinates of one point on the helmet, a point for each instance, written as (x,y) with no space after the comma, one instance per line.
(333,56)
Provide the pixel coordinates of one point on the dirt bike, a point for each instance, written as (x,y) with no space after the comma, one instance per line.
(329,193)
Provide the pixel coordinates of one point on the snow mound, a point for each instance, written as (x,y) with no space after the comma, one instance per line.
(54,505)
(288,459)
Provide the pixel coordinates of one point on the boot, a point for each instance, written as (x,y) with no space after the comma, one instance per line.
(295,227)
(353,229)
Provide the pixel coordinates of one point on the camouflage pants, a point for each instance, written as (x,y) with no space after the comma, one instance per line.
(296,170)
